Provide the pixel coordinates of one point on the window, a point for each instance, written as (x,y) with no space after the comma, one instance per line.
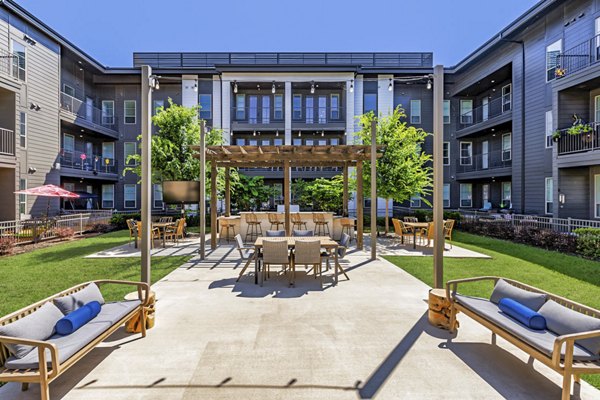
(446,153)
(466,153)
(506,98)
(108,196)
(297,106)
(68,90)
(466,195)
(19,63)
(322,110)
(108,112)
(205,101)
(266,109)
(129,149)
(309,109)
(108,153)
(265,142)
(506,186)
(549,194)
(278,142)
(335,106)
(240,142)
(309,142)
(549,130)
(157,106)
(466,112)
(485,194)
(334,141)
(553,59)
(297,142)
(129,111)
(278,107)
(158,196)
(370,102)
(597,196)
(252,142)
(485,108)
(70,186)
(252,109)
(240,107)
(415,201)
(23,129)
(446,111)
(506,147)
(446,195)
(22,197)
(415,111)
(129,195)
(68,144)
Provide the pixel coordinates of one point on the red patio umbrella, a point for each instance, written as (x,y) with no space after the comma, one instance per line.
(48,191)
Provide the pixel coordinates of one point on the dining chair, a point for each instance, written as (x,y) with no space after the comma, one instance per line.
(154,234)
(302,233)
(448,227)
(308,252)
(297,221)
(275,221)
(274,233)
(274,252)
(132,230)
(321,225)
(427,233)
(347,226)
(342,250)
(165,219)
(246,253)
(176,232)
(401,230)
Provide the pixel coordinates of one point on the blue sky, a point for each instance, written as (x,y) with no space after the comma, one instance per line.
(111,30)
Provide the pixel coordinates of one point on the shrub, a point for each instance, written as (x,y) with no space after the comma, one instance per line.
(101,228)
(427,215)
(7,245)
(588,242)
(64,232)
(119,221)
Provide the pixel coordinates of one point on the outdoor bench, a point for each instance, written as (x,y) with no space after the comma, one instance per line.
(52,357)
(570,344)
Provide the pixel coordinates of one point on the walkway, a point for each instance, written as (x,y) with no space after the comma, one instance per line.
(366,338)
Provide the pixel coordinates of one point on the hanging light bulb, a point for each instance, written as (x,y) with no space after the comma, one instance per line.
(312,87)
(322,133)
(254,133)
(299,133)
(351,85)
(391,85)
(273,88)
(235,87)
(195,87)
(429,84)
(277,132)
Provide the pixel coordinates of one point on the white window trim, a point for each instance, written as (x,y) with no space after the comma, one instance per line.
(546,199)
(154,199)
(549,129)
(546,61)
(65,86)
(134,197)
(112,200)
(23,121)
(470,153)
(446,158)
(337,108)
(509,183)
(277,109)
(125,155)
(415,119)
(509,101)
(446,122)
(125,116)
(65,135)
(509,150)
(465,101)
(415,202)
(112,114)
(446,202)
(209,111)
(596,196)
(461,198)
(12,52)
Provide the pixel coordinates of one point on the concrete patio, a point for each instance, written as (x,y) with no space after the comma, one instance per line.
(366,338)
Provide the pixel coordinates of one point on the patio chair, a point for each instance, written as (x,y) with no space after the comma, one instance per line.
(347,226)
(307,252)
(254,229)
(302,233)
(132,230)
(321,226)
(176,232)
(448,227)
(246,253)
(165,219)
(275,221)
(275,233)
(411,219)
(275,252)
(227,226)
(427,233)
(155,234)
(297,221)
(401,230)
(342,250)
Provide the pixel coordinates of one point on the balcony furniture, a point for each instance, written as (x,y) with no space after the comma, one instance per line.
(132,230)
(416,228)
(321,225)
(246,253)
(307,252)
(275,221)
(226,225)
(52,356)
(487,207)
(275,252)
(401,230)
(175,232)
(570,345)
(165,219)
(347,227)
(448,227)
(275,233)
(297,221)
(254,228)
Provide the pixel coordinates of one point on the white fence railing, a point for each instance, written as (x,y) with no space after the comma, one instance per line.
(35,230)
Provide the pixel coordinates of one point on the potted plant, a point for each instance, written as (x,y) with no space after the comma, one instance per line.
(579,128)
(556,136)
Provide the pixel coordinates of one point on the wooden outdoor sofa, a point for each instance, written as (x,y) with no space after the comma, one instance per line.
(51,358)
(557,351)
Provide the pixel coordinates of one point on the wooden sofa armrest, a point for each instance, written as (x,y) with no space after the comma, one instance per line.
(41,347)
(452,285)
(141,287)
(570,343)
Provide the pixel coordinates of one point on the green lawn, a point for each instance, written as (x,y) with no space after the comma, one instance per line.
(26,278)
(569,276)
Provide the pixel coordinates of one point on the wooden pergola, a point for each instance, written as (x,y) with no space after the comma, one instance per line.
(288,156)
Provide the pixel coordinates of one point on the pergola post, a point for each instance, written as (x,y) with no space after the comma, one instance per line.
(202,197)
(146,153)
(286,196)
(438,177)
(227,192)
(373,189)
(213,205)
(360,201)
(346,199)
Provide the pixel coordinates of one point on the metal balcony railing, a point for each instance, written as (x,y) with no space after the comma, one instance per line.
(583,142)
(257,115)
(494,108)
(576,58)
(484,161)
(87,112)
(7,142)
(78,160)
(317,115)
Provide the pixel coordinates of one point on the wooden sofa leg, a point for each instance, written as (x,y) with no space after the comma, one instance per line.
(44,389)
(566,388)
(494,339)
(24,386)
(143,322)
(576,386)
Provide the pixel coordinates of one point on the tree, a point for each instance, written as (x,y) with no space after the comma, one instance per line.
(404,170)
(249,193)
(325,194)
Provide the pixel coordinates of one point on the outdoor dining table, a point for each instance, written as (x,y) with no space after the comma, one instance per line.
(416,226)
(162,228)
(326,242)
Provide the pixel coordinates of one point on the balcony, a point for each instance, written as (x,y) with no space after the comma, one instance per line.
(257,117)
(497,111)
(86,115)
(579,150)
(576,58)
(493,163)
(79,164)
(318,117)
(7,142)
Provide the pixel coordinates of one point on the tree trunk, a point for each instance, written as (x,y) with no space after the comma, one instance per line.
(387,210)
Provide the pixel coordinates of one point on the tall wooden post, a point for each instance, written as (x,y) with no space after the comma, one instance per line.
(346,199)
(213,205)
(202,197)
(146,153)
(227,192)
(373,189)
(438,177)
(360,201)
(287,195)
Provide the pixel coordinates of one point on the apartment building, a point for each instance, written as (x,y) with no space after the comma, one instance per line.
(67,119)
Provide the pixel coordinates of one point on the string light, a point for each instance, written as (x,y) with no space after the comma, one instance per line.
(312,87)
(273,88)
(235,88)
(391,85)
(429,84)
(352,86)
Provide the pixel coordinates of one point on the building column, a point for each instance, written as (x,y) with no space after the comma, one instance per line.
(358,102)
(226,110)
(288,113)
(216,103)
(385,97)
(189,96)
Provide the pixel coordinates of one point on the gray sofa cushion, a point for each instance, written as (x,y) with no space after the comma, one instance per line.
(38,325)
(68,304)
(562,321)
(71,344)
(525,297)
(541,340)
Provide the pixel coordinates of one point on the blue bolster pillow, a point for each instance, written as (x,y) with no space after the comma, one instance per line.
(76,319)
(523,314)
